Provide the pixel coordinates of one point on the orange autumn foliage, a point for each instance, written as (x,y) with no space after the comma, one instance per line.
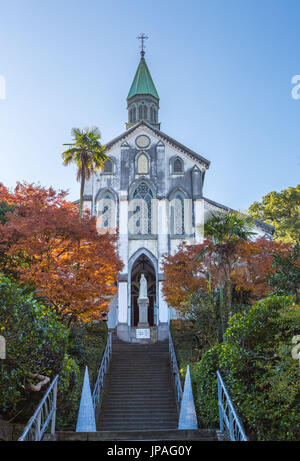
(255,266)
(251,266)
(185,275)
(61,255)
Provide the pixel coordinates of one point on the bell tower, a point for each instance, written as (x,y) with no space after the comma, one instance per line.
(142,99)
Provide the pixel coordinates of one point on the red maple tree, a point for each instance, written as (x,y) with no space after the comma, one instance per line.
(251,267)
(64,257)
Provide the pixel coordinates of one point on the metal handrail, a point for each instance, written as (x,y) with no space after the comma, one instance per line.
(45,412)
(227,415)
(97,394)
(175,370)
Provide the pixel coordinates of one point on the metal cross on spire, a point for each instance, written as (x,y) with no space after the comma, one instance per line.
(142,37)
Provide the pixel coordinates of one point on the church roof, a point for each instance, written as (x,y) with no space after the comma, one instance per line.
(263,225)
(161,135)
(142,82)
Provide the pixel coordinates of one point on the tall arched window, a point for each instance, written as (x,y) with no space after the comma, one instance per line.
(140,222)
(143,164)
(140,112)
(106,210)
(134,114)
(178,165)
(145,112)
(177,214)
(108,167)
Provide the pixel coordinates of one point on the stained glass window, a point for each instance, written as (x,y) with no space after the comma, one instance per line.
(108,167)
(178,166)
(142,209)
(106,210)
(143,166)
(177,214)
(140,112)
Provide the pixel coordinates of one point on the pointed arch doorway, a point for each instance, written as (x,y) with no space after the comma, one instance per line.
(143,265)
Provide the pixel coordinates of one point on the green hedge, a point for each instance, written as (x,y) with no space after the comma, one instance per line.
(35,344)
(258,369)
(38,343)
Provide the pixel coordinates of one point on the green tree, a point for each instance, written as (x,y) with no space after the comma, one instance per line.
(87,153)
(227,229)
(281,210)
(259,371)
(36,343)
(286,279)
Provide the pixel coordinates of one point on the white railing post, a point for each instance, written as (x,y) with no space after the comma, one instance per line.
(38,427)
(219,404)
(54,412)
(229,419)
(175,371)
(42,416)
(97,392)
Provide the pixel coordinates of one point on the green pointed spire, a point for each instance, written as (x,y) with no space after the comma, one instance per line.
(142,82)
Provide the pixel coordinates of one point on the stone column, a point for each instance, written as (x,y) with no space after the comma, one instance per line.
(163,306)
(163,244)
(199,220)
(197,185)
(123,252)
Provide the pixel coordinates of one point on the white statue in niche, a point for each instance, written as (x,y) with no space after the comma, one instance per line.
(143,288)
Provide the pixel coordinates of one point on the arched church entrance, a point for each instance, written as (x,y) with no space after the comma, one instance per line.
(143,265)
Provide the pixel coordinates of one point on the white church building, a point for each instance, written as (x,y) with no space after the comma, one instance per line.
(151,191)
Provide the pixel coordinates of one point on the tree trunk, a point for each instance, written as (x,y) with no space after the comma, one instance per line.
(81,192)
(228,296)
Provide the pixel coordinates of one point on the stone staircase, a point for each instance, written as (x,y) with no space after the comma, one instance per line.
(139,394)
(139,402)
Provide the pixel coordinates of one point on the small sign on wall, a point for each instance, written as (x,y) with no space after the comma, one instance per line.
(143,333)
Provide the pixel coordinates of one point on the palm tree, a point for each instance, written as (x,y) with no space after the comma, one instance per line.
(87,153)
(227,229)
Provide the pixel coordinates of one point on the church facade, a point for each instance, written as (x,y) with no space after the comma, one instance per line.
(151,191)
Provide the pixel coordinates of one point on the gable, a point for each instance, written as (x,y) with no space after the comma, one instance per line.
(158,137)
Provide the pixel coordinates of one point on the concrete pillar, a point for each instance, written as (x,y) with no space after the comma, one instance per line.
(86,415)
(163,244)
(123,230)
(187,418)
(163,306)
(199,220)
(123,252)
(162,230)
(122,302)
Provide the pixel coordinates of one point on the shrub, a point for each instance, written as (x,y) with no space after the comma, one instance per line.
(205,380)
(69,392)
(258,369)
(35,342)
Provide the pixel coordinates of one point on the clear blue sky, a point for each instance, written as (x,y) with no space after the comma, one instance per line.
(222,68)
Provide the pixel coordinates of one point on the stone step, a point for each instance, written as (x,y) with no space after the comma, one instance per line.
(148,404)
(133,426)
(151,436)
(151,423)
(128,412)
(165,383)
(154,395)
